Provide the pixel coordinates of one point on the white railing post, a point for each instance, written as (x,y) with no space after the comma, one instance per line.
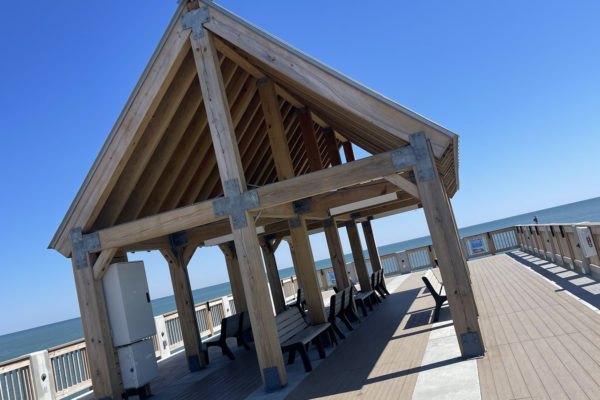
(226,310)
(162,337)
(42,376)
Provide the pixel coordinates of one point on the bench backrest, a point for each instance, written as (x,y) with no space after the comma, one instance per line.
(336,303)
(245,321)
(289,323)
(347,296)
(230,326)
(432,282)
(376,278)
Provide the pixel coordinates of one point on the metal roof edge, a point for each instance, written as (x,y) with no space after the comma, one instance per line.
(330,70)
(117,125)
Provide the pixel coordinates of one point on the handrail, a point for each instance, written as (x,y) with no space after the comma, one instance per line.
(70,364)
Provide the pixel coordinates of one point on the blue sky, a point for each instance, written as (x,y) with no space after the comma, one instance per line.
(518,81)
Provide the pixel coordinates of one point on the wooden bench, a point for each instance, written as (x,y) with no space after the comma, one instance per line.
(295,334)
(364,299)
(437,290)
(378,283)
(232,326)
(300,302)
(340,306)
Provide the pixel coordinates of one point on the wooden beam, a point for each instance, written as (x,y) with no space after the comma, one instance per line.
(310,140)
(336,254)
(332,148)
(357,254)
(277,139)
(184,300)
(299,235)
(268,251)
(452,262)
(403,184)
(371,245)
(348,152)
(235,276)
(271,195)
(306,271)
(103,363)
(266,340)
(103,261)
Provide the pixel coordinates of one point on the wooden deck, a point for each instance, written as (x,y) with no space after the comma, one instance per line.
(541,343)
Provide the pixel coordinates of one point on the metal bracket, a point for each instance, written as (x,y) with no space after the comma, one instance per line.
(403,158)
(236,203)
(355,215)
(301,206)
(328,222)
(82,244)
(177,240)
(471,345)
(423,161)
(194,20)
(295,222)
(272,382)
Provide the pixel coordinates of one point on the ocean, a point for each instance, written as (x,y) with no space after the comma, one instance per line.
(35,339)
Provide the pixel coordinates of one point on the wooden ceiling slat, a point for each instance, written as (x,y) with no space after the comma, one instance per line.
(153,133)
(163,153)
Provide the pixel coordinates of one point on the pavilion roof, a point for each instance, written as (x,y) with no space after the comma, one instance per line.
(159,154)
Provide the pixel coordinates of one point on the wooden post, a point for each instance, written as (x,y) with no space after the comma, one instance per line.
(306,271)
(235,276)
(490,243)
(269,246)
(348,152)
(295,263)
(304,262)
(104,366)
(235,204)
(357,253)
(371,246)
(336,253)
(184,301)
(445,237)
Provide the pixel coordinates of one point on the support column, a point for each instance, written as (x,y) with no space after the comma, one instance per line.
(306,271)
(294,262)
(445,237)
(235,276)
(269,245)
(184,301)
(236,203)
(336,253)
(371,246)
(104,366)
(304,262)
(359,259)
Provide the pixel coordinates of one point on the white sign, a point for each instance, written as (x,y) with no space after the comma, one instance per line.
(586,242)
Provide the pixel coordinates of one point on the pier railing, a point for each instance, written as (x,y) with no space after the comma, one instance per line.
(65,368)
(570,245)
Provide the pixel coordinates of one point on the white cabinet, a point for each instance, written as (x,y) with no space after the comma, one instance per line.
(128,303)
(138,364)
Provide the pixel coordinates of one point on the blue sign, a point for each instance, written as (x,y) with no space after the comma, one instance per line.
(477,245)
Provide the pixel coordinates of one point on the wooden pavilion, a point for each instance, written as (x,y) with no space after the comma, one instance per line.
(233,137)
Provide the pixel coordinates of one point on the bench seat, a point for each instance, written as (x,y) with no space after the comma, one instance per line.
(437,290)
(295,334)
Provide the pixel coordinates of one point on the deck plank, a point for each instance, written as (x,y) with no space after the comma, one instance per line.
(541,342)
